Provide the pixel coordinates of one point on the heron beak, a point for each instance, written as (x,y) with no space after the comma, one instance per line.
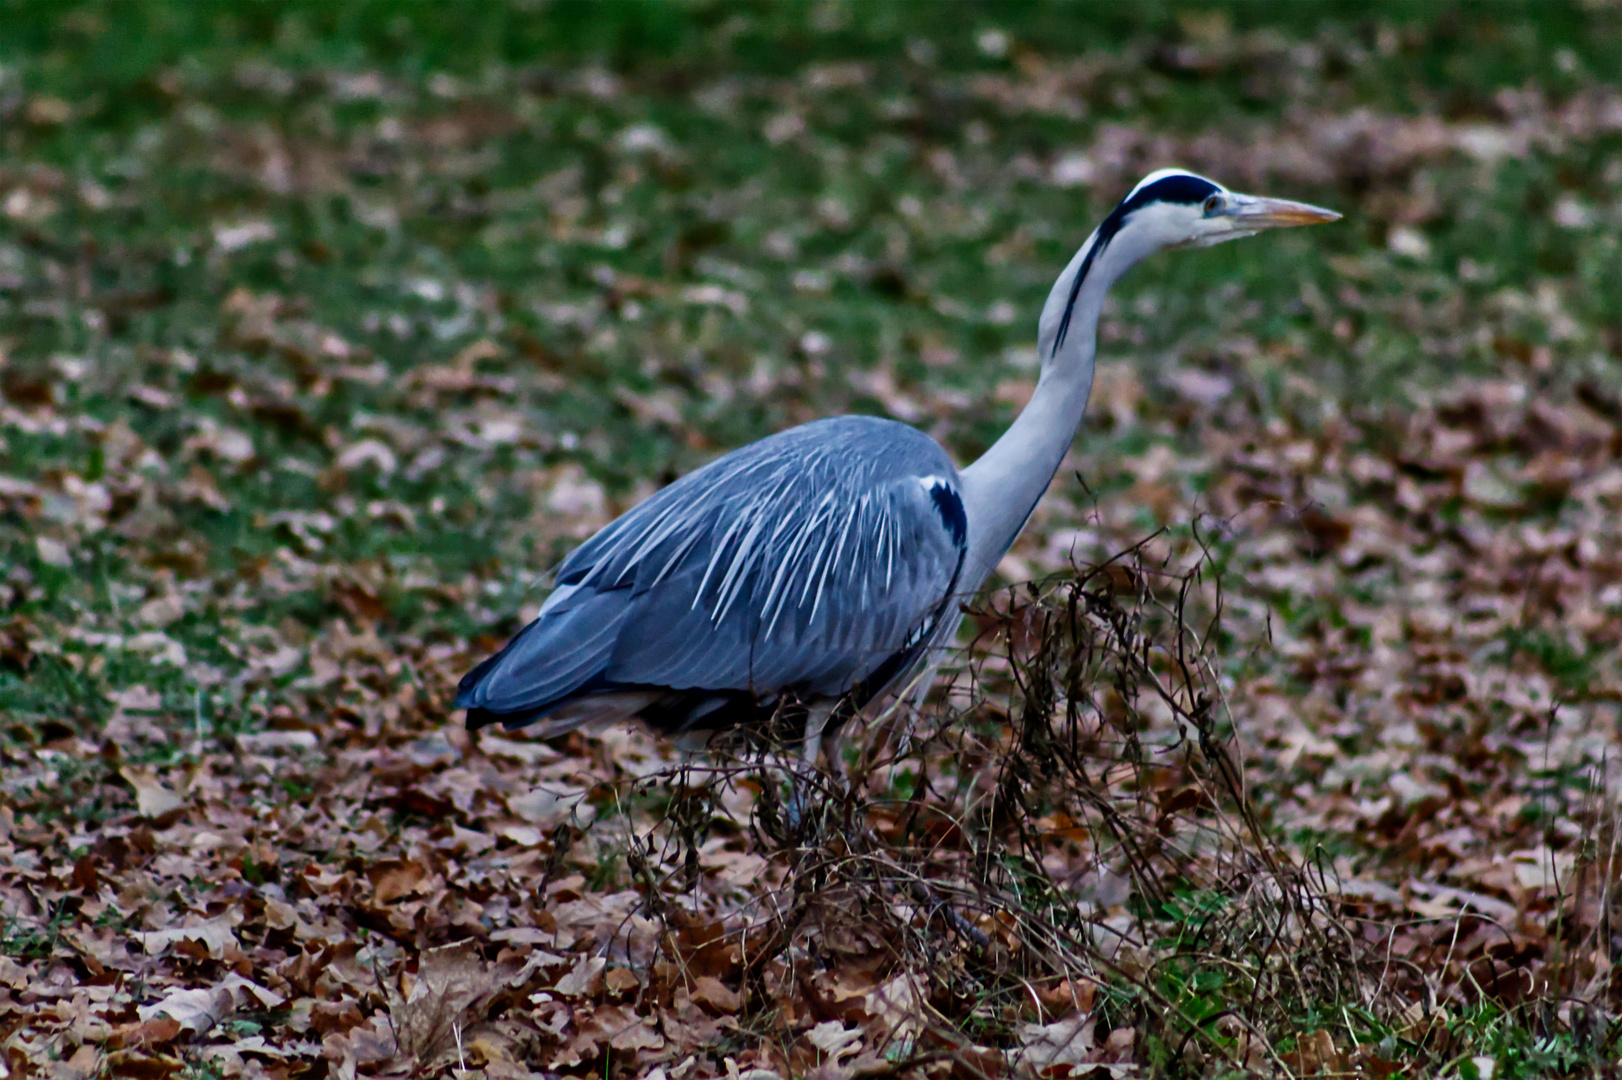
(1255,213)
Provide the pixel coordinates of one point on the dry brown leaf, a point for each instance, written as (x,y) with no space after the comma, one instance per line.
(216,935)
(1315,1053)
(152,798)
(582,980)
(195,1010)
(617,1027)
(1065,1042)
(370,1043)
(621,981)
(715,995)
(142,1065)
(158,1030)
(392,879)
(835,1039)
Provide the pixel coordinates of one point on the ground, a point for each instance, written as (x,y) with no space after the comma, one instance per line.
(325,331)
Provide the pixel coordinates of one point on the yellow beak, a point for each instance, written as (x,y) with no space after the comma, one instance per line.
(1255,212)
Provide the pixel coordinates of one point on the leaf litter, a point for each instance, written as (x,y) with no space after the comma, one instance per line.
(1296,756)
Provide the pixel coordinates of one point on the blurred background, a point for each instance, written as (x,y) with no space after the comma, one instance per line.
(320,316)
(326,329)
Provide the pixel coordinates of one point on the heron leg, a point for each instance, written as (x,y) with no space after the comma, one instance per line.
(833,749)
(816,719)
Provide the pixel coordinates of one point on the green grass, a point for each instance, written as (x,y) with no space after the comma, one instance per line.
(643,279)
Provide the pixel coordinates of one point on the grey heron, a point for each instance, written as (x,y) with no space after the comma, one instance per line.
(807,574)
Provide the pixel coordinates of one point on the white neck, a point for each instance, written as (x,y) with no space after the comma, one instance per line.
(1002,488)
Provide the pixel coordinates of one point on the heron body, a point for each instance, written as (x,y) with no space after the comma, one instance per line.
(807,574)
(810,566)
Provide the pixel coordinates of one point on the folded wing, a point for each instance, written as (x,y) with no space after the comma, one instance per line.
(817,563)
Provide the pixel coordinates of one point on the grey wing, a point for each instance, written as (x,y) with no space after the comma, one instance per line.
(819,561)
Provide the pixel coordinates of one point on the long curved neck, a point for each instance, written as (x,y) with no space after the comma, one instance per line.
(1002,488)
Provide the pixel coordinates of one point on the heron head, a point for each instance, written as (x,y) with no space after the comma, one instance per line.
(1171,208)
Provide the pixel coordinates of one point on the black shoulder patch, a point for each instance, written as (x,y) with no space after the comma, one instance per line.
(1182,188)
(949,505)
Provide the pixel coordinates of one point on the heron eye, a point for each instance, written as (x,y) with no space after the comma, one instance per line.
(1212,205)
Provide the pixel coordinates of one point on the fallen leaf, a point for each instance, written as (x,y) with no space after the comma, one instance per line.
(835,1039)
(394,878)
(152,798)
(714,994)
(216,935)
(584,979)
(195,1010)
(1065,1042)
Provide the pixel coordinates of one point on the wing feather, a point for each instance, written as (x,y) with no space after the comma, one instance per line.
(811,562)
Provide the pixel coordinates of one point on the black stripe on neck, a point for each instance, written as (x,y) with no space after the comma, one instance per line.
(1181,188)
